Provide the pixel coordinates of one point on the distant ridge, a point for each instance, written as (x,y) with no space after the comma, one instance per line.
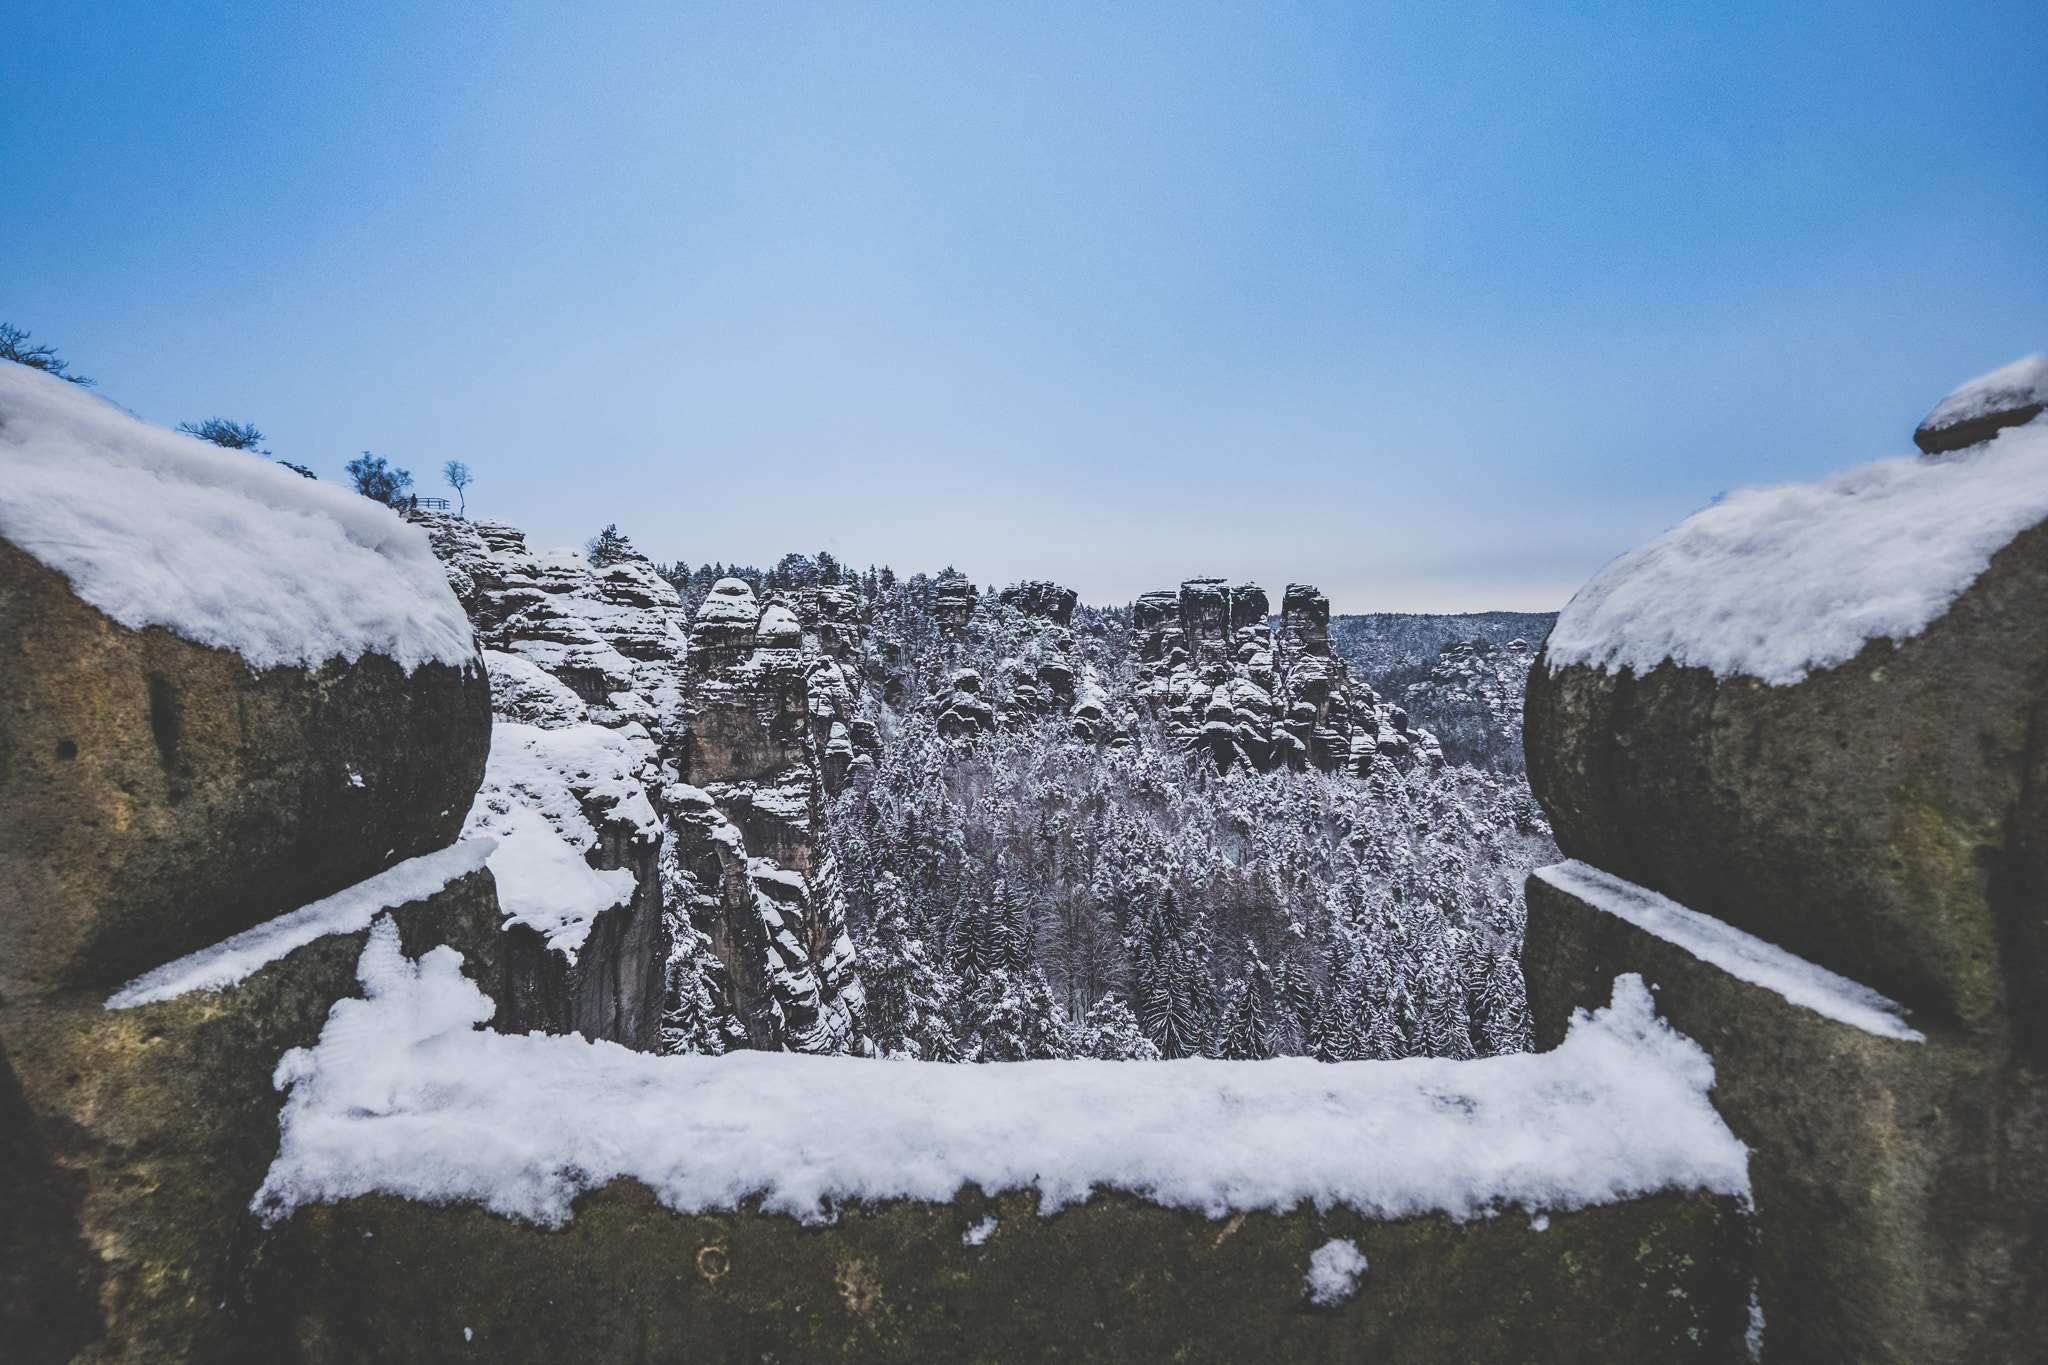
(1380,641)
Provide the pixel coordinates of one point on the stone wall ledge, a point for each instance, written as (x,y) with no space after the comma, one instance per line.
(1890,1174)
(376,1278)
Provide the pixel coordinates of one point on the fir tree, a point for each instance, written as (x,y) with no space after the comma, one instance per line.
(1111,1033)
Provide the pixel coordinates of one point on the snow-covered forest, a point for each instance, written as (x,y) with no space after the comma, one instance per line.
(1037,861)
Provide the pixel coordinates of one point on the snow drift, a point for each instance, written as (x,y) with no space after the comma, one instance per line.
(219,546)
(403,1095)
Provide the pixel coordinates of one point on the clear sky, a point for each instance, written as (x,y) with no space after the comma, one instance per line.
(1436,306)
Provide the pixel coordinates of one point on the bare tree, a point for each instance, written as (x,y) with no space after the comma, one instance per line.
(457,474)
(220,431)
(378,481)
(14,346)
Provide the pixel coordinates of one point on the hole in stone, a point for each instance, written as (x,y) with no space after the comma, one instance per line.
(66,749)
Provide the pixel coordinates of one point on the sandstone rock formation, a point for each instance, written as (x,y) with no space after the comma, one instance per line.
(167,781)
(1048,601)
(753,866)
(594,653)
(1221,681)
(729,731)
(1748,743)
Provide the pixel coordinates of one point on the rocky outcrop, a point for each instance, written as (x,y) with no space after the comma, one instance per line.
(158,795)
(595,653)
(953,599)
(833,628)
(1821,802)
(1980,409)
(752,864)
(1222,682)
(160,791)
(1047,601)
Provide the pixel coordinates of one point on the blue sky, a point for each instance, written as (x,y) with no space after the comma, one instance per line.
(1439,307)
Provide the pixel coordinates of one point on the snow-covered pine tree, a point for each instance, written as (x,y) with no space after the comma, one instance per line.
(1111,1033)
(1013,1017)
(689,1021)
(1244,1029)
(1164,983)
(911,1000)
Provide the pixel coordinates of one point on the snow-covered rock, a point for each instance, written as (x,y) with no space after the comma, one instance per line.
(2007,397)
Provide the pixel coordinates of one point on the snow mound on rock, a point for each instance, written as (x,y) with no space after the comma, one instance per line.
(404,1095)
(2024,383)
(219,546)
(1775,583)
(539,790)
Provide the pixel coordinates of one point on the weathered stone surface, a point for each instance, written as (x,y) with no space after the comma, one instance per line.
(1049,601)
(1898,1185)
(1887,818)
(157,796)
(143,1134)
(1982,408)
(751,866)
(953,599)
(1223,683)
(1660,1279)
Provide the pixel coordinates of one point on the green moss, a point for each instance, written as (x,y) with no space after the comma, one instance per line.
(1117,1279)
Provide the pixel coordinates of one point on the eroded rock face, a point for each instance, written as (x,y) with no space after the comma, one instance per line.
(1224,683)
(752,863)
(577,647)
(157,796)
(1048,601)
(1884,818)
(1653,1280)
(1878,810)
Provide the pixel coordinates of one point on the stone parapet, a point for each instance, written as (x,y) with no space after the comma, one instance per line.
(1661,1279)
(1896,1182)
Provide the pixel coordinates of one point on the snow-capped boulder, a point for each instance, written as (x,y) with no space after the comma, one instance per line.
(2007,397)
(229,690)
(1810,710)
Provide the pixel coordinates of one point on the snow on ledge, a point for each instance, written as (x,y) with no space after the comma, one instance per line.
(345,912)
(1741,955)
(402,1095)
(1774,583)
(222,547)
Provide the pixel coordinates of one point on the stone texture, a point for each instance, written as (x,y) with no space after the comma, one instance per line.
(1898,1185)
(752,867)
(608,643)
(157,796)
(142,1134)
(1657,1280)
(1048,601)
(1887,819)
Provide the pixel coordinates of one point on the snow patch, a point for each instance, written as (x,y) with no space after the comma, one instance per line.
(1334,1269)
(403,1095)
(979,1234)
(538,786)
(1741,955)
(221,547)
(345,912)
(1774,583)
